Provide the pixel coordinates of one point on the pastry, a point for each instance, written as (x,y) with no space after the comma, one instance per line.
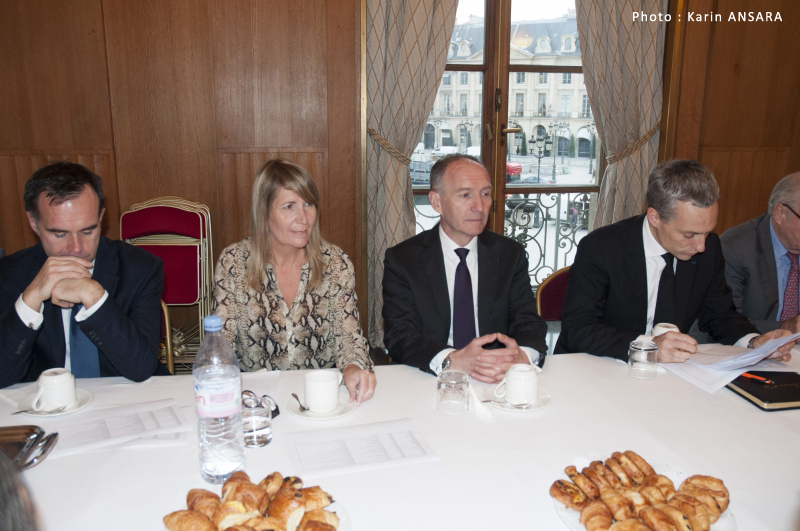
(656,520)
(664,484)
(583,483)
(595,477)
(231,513)
(705,498)
(631,524)
(236,478)
(596,516)
(693,508)
(292,482)
(250,495)
(316,498)
(202,501)
(713,485)
(261,523)
(272,484)
(288,506)
(188,521)
(611,479)
(640,463)
(653,494)
(638,501)
(618,471)
(569,494)
(679,520)
(619,505)
(321,516)
(316,526)
(630,468)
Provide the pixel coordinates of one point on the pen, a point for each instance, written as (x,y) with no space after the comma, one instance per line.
(754,377)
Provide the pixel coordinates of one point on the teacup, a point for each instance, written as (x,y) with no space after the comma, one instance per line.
(322,390)
(520,385)
(56,390)
(663,328)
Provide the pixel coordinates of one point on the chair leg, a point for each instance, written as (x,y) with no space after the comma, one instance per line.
(168,338)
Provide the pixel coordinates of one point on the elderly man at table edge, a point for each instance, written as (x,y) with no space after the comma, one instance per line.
(761,264)
(77,299)
(620,285)
(432,320)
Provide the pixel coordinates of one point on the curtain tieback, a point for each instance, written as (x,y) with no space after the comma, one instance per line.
(633,147)
(393,151)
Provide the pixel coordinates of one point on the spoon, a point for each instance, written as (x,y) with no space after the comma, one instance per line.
(57,410)
(517,406)
(302,407)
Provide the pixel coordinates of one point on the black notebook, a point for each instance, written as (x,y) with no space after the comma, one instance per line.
(782,393)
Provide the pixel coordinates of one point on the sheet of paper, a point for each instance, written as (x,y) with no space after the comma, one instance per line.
(357,448)
(709,380)
(728,358)
(113,426)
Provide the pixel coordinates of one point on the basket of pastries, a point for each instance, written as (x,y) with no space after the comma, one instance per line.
(625,493)
(276,503)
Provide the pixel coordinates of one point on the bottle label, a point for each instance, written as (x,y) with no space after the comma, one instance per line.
(219,400)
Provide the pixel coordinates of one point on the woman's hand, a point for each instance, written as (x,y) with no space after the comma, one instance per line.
(359,382)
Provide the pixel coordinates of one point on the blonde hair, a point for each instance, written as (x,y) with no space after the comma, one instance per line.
(274,175)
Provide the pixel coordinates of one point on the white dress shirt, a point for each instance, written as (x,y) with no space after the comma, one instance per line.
(34,319)
(655,264)
(451,261)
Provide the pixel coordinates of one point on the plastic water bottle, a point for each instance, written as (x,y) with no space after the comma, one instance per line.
(218,399)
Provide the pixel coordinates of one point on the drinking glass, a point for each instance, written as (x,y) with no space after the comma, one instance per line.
(257,420)
(643,359)
(452,392)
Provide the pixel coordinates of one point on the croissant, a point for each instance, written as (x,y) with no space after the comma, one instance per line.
(202,501)
(317,526)
(681,521)
(705,498)
(640,463)
(631,524)
(714,486)
(595,477)
(261,523)
(188,521)
(638,501)
(653,494)
(231,513)
(619,505)
(664,484)
(288,505)
(656,520)
(596,516)
(239,528)
(630,468)
(693,508)
(569,494)
(611,479)
(272,484)
(316,498)
(319,515)
(292,482)
(250,495)
(236,478)
(618,471)
(583,483)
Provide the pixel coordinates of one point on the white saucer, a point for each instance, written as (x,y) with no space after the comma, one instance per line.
(84,399)
(344,408)
(543,402)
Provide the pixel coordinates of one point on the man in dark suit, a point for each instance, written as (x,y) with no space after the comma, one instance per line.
(625,277)
(761,258)
(76,299)
(432,319)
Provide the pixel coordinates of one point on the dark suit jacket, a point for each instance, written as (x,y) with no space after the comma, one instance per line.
(125,328)
(605,306)
(416,302)
(751,271)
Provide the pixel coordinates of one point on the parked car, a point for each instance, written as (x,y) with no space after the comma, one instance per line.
(513,172)
(443,151)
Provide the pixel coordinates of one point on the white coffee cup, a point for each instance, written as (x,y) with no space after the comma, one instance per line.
(520,385)
(322,389)
(56,389)
(663,328)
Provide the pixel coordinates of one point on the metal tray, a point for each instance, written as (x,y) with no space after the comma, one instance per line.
(27,445)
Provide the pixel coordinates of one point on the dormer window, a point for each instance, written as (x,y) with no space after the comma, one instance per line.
(543,45)
(568,43)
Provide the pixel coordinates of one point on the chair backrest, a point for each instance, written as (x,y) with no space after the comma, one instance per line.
(162,220)
(181,272)
(550,295)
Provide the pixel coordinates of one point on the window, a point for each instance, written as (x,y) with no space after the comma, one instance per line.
(565,110)
(566,79)
(568,44)
(543,78)
(462,104)
(519,105)
(479,104)
(446,79)
(541,107)
(543,45)
(586,109)
(465,78)
(446,108)
(480,78)
(520,78)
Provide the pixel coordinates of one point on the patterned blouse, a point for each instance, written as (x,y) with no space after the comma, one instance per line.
(320,330)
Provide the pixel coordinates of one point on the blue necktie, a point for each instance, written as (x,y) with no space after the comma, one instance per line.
(463,305)
(82,352)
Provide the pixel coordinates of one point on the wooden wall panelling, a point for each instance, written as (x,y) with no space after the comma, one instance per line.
(55,76)
(162,99)
(15,169)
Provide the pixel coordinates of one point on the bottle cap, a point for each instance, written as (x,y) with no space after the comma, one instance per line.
(212,323)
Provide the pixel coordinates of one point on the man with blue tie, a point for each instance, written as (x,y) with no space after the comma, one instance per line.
(761,261)
(76,299)
(459,296)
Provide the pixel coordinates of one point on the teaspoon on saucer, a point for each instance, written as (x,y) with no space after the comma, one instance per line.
(517,406)
(302,407)
(57,410)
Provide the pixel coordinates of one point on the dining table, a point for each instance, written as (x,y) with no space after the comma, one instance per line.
(490,473)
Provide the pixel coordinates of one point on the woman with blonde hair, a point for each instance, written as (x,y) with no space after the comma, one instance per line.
(286,296)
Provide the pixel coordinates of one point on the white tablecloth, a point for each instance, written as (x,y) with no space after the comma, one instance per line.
(490,476)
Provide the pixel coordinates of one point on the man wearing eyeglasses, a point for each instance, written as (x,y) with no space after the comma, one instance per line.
(761,260)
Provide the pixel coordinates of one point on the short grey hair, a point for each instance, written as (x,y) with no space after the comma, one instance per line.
(438,170)
(786,191)
(680,180)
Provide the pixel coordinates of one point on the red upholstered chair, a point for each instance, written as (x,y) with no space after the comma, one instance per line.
(550,295)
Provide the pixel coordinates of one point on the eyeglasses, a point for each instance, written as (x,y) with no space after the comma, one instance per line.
(791,210)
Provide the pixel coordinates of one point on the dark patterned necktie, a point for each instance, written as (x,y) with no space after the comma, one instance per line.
(463,305)
(82,352)
(790,295)
(665,301)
